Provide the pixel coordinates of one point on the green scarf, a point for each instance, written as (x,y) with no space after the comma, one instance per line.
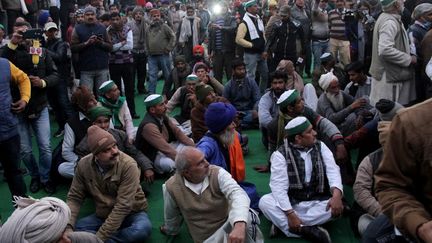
(283,119)
(114,108)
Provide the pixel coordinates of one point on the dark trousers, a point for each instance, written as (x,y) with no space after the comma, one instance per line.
(125,71)
(381,230)
(59,101)
(140,70)
(222,62)
(9,158)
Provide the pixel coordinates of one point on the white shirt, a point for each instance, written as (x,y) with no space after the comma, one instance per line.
(279,182)
(236,196)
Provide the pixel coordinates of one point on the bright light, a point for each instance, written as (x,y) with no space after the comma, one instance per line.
(217,9)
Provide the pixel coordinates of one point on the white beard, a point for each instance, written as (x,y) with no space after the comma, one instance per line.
(336,101)
(227,137)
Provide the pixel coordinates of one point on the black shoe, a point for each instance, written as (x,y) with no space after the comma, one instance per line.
(35,185)
(315,234)
(59,133)
(49,187)
(135,116)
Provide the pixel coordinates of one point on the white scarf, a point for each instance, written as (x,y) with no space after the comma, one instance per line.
(253,33)
(186,32)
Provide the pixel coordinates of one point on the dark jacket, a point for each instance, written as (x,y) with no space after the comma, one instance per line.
(60,53)
(46,70)
(283,38)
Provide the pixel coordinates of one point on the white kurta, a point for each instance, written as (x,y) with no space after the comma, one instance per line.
(310,213)
(238,205)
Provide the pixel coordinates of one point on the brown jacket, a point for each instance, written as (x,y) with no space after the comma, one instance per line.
(403,179)
(116,194)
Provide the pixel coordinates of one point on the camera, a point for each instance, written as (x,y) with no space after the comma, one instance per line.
(33,34)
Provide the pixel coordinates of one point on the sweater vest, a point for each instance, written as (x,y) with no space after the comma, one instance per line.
(91,58)
(204,214)
(8,120)
(79,127)
(141,143)
(258,44)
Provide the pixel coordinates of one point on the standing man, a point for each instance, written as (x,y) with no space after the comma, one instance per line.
(112,179)
(306,185)
(189,33)
(91,41)
(206,195)
(34,120)
(391,68)
(221,48)
(9,136)
(339,44)
(250,35)
(283,39)
(121,59)
(160,41)
(302,13)
(139,26)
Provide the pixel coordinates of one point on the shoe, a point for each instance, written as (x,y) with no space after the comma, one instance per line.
(35,185)
(274,231)
(135,116)
(315,234)
(59,133)
(49,187)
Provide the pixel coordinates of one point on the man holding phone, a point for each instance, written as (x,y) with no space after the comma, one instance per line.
(91,41)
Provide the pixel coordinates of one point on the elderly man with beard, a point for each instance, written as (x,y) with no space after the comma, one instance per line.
(160,41)
(112,179)
(177,76)
(214,207)
(306,185)
(337,106)
(189,33)
(221,144)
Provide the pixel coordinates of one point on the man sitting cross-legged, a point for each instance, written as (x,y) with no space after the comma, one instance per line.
(214,207)
(306,185)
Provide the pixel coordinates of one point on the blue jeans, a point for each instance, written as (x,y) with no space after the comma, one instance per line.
(135,227)
(319,48)
(41,128)
(253,62)
(156,63)
(94,79)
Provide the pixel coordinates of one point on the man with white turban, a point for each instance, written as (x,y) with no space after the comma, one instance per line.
(337,106)
(41,220)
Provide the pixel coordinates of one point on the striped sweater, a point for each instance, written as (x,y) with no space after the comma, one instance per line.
(337,25)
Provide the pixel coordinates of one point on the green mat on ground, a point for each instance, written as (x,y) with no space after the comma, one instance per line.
(340,230)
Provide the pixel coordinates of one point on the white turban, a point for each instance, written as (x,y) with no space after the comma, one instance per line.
(326,79)
(35,220)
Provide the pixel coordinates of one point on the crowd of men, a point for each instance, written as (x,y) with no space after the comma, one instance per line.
(317,78)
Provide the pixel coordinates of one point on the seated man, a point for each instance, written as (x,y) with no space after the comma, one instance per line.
(100,116)
(403,179)
(109,97)
(42,220)
(201,70)
(186,99)
(158,137)
(221,144)
(364,188)
(306,184)
(337,106)
(243,93)
(291,105)
(360,85)
(177,76)
(205,95)
(75,130)
(214,207)
(111,178)
(328,64)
